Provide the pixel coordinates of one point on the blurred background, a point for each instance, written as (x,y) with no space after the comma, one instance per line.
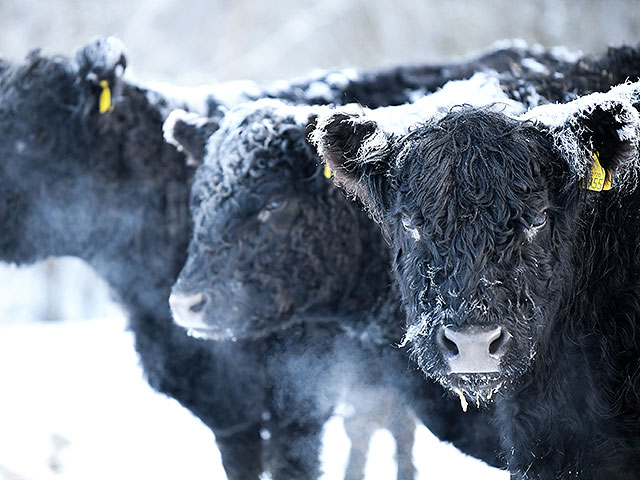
(203,40)
(206,41)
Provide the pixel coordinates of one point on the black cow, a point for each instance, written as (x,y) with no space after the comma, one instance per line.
(279,254)
(515,247)
(84,171)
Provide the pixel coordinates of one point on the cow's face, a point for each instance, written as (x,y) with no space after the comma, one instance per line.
(36,105)
(61,155)
(258,260)
(483,213)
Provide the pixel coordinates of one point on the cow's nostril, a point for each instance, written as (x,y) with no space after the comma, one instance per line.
(198,307)
(498,346)
(446,344)
(188,310)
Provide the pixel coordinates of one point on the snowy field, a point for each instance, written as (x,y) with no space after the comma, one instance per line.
(74,405)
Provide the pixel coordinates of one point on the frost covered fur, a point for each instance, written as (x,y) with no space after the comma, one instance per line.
(277,246)
(106,188)
(492,230)
(573,126)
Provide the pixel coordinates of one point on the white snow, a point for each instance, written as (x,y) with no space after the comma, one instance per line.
(535,66)
(342,77)
(319,89)
(236,92)
(560,52)
(189,98)
(507,43)
(111,51)
(480,90)
(565,54)
(74,406)
(179,115)
(554,115)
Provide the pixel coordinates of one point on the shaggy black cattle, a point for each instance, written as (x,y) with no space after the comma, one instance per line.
(535,82)
(85,172)
(279,254)
(403,84)
(105,188)
(531,75)
(515,247)
(514,62)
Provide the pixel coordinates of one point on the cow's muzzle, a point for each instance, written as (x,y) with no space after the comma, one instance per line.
(473,349)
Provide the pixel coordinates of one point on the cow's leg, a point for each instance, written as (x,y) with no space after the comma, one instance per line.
(359,429)
(294,451)
(403,429)
(241,453)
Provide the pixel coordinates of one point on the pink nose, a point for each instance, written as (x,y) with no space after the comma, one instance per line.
(188,310)
(473,349)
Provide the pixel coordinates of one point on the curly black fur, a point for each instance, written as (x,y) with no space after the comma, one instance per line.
(256,207)
(533,76)
(105,188)
(569,80)
(277,245)
(519,68)
(489,225)
(400,85)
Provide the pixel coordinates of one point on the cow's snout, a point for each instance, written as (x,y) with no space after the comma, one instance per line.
(473,349)
(188,310)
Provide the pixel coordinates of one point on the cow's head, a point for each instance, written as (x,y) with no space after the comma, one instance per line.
(274,240)
(486,215)
(49,116)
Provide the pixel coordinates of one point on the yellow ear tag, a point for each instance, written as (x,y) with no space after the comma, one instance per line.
(600,178)
(104,103)
(327,171)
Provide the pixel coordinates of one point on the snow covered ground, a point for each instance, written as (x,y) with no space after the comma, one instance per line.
(74,406)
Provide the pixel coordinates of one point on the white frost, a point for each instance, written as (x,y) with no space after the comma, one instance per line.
(563,54)
(535,66)
(480,90)
(168,127)
(554,115)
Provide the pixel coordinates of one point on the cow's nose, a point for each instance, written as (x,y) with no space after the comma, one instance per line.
(473,349)
(188,310)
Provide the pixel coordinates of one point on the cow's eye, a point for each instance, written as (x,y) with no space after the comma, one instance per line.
(273,205)
(535,225)
(407,224)
(539,220)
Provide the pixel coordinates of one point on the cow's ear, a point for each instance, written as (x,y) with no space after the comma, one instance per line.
(357,153)
(598,137)
(189,133)
(100,66)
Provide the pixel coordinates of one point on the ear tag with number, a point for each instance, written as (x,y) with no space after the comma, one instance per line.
(600,178)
